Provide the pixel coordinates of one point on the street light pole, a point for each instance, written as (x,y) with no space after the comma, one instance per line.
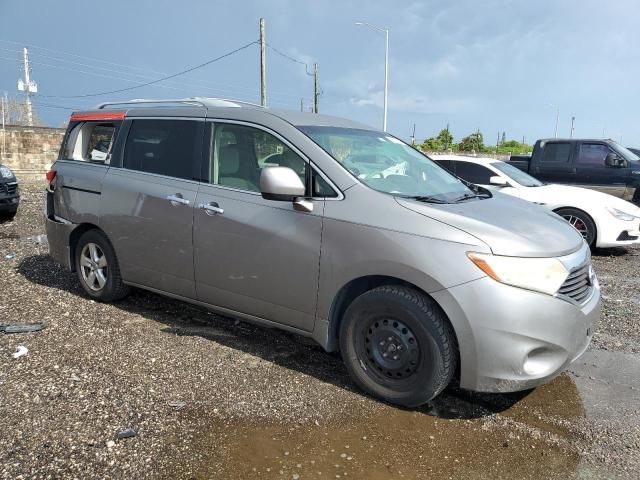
(386,76)
(386,67)
(557,119)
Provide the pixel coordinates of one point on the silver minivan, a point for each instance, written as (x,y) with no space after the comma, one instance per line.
(326,228)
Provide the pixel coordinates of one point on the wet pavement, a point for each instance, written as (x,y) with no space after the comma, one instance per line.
(209,397)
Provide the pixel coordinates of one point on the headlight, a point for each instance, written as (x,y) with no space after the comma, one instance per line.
(620,215)
(544,275)
(5,172)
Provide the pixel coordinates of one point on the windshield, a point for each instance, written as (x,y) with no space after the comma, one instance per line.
(517,175)
(387,164)
(625,152)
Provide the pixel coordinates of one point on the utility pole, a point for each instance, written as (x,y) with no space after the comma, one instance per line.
(28,86)
(573,121)
(302,104)
(413,135)
(263,66)
(557,119)
(3,130)
(315,88)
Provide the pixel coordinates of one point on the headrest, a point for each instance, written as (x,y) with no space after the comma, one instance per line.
(229,160)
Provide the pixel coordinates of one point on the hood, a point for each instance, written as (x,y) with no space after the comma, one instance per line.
(577,196)
(508,225)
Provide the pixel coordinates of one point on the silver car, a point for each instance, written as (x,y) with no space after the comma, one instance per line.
(326,228)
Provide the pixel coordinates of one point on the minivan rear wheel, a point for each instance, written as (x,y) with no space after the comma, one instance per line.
(398,345)
(97,268)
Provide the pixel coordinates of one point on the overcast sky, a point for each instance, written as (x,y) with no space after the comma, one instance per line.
(494,65)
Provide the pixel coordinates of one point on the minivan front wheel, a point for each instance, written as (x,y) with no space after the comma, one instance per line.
(97,268)
(398,345)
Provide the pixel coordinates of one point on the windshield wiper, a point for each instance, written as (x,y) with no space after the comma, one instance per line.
(468,196)
(428,199)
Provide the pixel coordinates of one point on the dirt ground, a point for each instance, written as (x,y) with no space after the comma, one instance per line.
(210,397)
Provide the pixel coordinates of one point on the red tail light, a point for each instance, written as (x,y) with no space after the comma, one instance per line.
(51,176)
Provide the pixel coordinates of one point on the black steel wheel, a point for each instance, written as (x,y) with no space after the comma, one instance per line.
(398,345)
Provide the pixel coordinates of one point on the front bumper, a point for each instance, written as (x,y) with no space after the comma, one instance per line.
(618,233)
(513,339)
(9,197)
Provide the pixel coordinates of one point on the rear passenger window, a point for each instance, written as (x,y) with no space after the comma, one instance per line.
(91,142)
(472,172)
(165,147)
(556,152)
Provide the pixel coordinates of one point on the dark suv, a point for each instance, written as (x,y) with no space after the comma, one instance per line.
(9,194)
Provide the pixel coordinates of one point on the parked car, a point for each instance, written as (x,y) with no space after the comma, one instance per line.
(9,194)
(349,236)
(601,165)
(635,151)
(603,220)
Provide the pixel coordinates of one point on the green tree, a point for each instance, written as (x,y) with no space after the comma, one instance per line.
(445,138)
(471,142)
(432,144)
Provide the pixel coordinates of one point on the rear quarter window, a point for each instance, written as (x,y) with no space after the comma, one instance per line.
(91,142)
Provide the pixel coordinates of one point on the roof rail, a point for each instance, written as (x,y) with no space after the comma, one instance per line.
(200,101)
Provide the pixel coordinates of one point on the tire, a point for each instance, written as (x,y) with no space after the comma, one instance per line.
(411,331)
(8,216)
(94,254)
(582,222)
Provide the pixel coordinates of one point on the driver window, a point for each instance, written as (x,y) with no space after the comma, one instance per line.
(593,154)
(239,153)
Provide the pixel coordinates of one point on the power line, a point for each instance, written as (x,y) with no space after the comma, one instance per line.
(209,62)
(195,83)
(290,58)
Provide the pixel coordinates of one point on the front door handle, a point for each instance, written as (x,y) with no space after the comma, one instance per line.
(211,208)
(177,199)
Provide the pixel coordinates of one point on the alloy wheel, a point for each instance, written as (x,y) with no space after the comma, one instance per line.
(578,224)
(94,267)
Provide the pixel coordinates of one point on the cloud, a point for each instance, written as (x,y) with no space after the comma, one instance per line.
(417,103)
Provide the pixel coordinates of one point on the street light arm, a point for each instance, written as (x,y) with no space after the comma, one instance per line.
(365,24)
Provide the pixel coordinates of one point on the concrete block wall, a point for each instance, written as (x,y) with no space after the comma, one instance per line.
(29,151)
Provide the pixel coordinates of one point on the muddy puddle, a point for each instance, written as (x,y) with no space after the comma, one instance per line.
(459,436)
(40,239)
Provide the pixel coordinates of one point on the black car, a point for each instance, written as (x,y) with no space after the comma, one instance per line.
(634,150)
(601,165)
(9,194)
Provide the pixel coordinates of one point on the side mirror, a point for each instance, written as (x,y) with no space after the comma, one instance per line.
(614,161)
(499,181)
(281,184)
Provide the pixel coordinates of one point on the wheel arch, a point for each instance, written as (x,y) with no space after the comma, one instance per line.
(356,287)
(582,210)
(74,237)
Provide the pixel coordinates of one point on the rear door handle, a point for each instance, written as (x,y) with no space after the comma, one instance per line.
(211,208)
(177,199)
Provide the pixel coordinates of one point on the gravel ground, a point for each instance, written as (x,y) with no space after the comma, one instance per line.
(202,396)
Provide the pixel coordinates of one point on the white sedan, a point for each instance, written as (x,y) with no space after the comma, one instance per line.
(603,220)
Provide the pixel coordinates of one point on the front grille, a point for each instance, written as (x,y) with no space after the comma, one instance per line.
(8,188)
(578,284)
